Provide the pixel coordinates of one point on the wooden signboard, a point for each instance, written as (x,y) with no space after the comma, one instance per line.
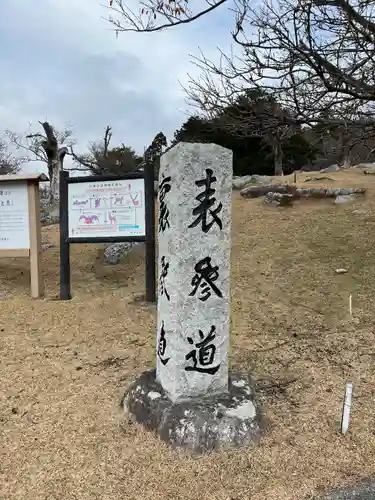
(20,228)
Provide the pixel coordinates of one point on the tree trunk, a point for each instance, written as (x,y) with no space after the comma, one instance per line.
(278,158)
(345,157)
(344,147)
(346,161)
(55,158)
(55,166)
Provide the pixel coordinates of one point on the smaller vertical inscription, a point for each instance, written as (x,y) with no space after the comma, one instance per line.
(163,274)
(162,345)
(164,188)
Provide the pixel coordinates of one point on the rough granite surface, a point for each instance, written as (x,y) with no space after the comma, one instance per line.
(194,269)
(204,424)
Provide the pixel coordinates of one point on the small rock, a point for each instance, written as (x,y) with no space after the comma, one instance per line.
(331,168)
(343,198)
(261,179)
(262,190)
(360,212)
(278,199)
(240,182)
(114,252)
(46,246)
(48,220)
(365,165)
(341,271)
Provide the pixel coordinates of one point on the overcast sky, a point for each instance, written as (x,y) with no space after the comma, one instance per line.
(60,62)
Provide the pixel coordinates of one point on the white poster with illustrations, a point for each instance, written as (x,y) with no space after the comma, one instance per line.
(14,216)
(106,208)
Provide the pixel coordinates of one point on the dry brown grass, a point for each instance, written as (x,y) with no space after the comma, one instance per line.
(65,365)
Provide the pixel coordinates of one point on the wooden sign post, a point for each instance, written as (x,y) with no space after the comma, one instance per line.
(20,228)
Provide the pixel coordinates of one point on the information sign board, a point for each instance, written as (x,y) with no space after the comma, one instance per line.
(14,216)
(106,208)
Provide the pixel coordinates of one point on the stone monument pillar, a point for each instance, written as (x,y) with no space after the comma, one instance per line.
(194,231)
(191,400)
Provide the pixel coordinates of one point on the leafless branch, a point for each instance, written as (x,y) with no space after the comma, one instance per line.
(313,55)
(157,15)
(9,164)
(315,58)
(37,145)
(101,158)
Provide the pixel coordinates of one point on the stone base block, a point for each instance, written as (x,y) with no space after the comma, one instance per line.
(200,425)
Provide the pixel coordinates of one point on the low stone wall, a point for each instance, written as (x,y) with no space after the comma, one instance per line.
(313,192)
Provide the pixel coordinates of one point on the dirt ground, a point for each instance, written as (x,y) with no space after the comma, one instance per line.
(65,365)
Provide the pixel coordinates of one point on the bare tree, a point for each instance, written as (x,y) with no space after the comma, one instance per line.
(9,164)
(315,56)
(49,148)
(102,159)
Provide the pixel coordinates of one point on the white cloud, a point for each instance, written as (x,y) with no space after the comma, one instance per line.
(61,62)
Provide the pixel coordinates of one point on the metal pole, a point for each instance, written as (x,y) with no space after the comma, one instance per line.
(150,232)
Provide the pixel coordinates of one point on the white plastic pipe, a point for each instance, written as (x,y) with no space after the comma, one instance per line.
(350,305)
(346,408)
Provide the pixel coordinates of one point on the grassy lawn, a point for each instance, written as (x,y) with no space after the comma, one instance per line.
(65,365)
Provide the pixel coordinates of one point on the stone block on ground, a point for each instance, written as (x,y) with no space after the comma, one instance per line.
(46,246)
(363,490)
(279,199)
(262,190)
(344,198)
(47,220)
(210,423)
(330,192)
(261,179)
(369,166)
(114,252)
(360,211)
(240,182)
(297,192)
(331,168)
